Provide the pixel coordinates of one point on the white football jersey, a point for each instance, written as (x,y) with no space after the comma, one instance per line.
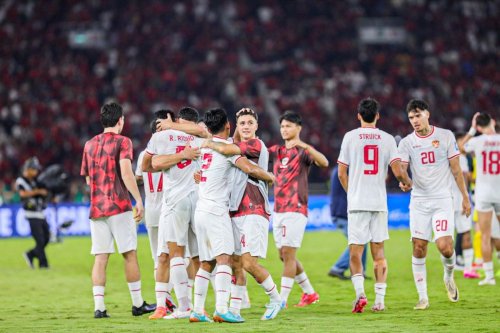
(487,151)
(457,195)
(216,178)
(153,185)
(179,178)
(368,152)
(429,162)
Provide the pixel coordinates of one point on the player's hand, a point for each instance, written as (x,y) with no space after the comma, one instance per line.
(190,153)
(474,120)
(466,206)
(272,180)
(43,192)
(405,187)
(197,177)
(164,124)
(138,212)
(298,143)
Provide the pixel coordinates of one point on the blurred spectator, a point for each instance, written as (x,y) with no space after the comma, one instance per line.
(206,53)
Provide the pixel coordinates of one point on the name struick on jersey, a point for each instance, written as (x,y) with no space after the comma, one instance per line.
(184,138)
(491,143)
(370,136)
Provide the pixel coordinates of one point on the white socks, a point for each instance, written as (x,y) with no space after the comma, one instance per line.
(286,287)
(179,277)
(304,283)
(190,290)
(488,270)
(161,292)
(420,276)
(449,266)
(98,292)
(271,289)
(380,292)
(237,294)
(223,285)
(468,257)
(135,293)
(358,281)
(200,290)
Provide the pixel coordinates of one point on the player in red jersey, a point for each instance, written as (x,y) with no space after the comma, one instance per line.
(107,167)
(291,167)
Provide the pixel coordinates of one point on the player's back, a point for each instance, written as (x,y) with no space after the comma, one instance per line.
(368,152)
(487,151)
(178,178)
(213,193)
(429,162)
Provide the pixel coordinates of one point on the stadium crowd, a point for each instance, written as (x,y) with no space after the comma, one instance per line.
(269,54)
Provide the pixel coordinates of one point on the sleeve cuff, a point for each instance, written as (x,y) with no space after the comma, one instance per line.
(150,153)
(340,162)
(394,160)
(452,157)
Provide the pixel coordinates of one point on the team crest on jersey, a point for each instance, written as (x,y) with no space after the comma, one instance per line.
(435,143)
(284,161)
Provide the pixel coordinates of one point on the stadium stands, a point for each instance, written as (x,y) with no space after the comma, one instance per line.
(272,55)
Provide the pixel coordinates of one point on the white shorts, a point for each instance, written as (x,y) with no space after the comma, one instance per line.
(152,216)
(288,229)
(251,233)
(153,242)
(427,216)
(179,220)
(462,222)
(214,233)
(365,226)
(485,206)
(120,227)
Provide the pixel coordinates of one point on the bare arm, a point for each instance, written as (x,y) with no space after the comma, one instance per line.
(129,180)
(318,158)
(254,170)
(193,129)
(470,134)
(459,179)
(146,165)
(162,162)
(401,174)
(87,180)
(32,193)
(228,149)
(343,177)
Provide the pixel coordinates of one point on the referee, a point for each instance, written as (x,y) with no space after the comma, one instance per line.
(34,202)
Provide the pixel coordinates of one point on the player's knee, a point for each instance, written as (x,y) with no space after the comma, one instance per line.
(163,259)
(380,263)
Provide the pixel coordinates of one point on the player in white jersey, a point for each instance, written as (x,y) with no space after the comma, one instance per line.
(249,214)
(486,147)
(463,223)
(367,152)
(213,224)
(177,209)
(432,154)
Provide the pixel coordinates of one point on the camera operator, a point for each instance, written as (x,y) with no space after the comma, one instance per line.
(33,198)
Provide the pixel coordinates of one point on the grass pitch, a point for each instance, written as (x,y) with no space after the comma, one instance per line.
(60,299)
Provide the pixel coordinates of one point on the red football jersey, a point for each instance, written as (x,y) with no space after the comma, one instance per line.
(291,168)
(252,203)
(101,162)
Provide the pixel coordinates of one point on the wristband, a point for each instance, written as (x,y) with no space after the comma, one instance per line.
(472,131)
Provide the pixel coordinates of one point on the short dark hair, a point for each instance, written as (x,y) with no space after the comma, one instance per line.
(163,114)
(415,104)
(215,120)
(110,114)
(247,112)
(292,117)
(483,120)
(368,109)
(189,114)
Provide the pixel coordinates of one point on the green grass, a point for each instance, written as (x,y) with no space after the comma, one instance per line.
(60,299)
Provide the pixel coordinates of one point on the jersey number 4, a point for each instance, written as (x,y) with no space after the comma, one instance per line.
(370,155)
(491,162)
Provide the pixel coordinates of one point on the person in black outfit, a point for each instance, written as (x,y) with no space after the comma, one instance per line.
(33,199)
